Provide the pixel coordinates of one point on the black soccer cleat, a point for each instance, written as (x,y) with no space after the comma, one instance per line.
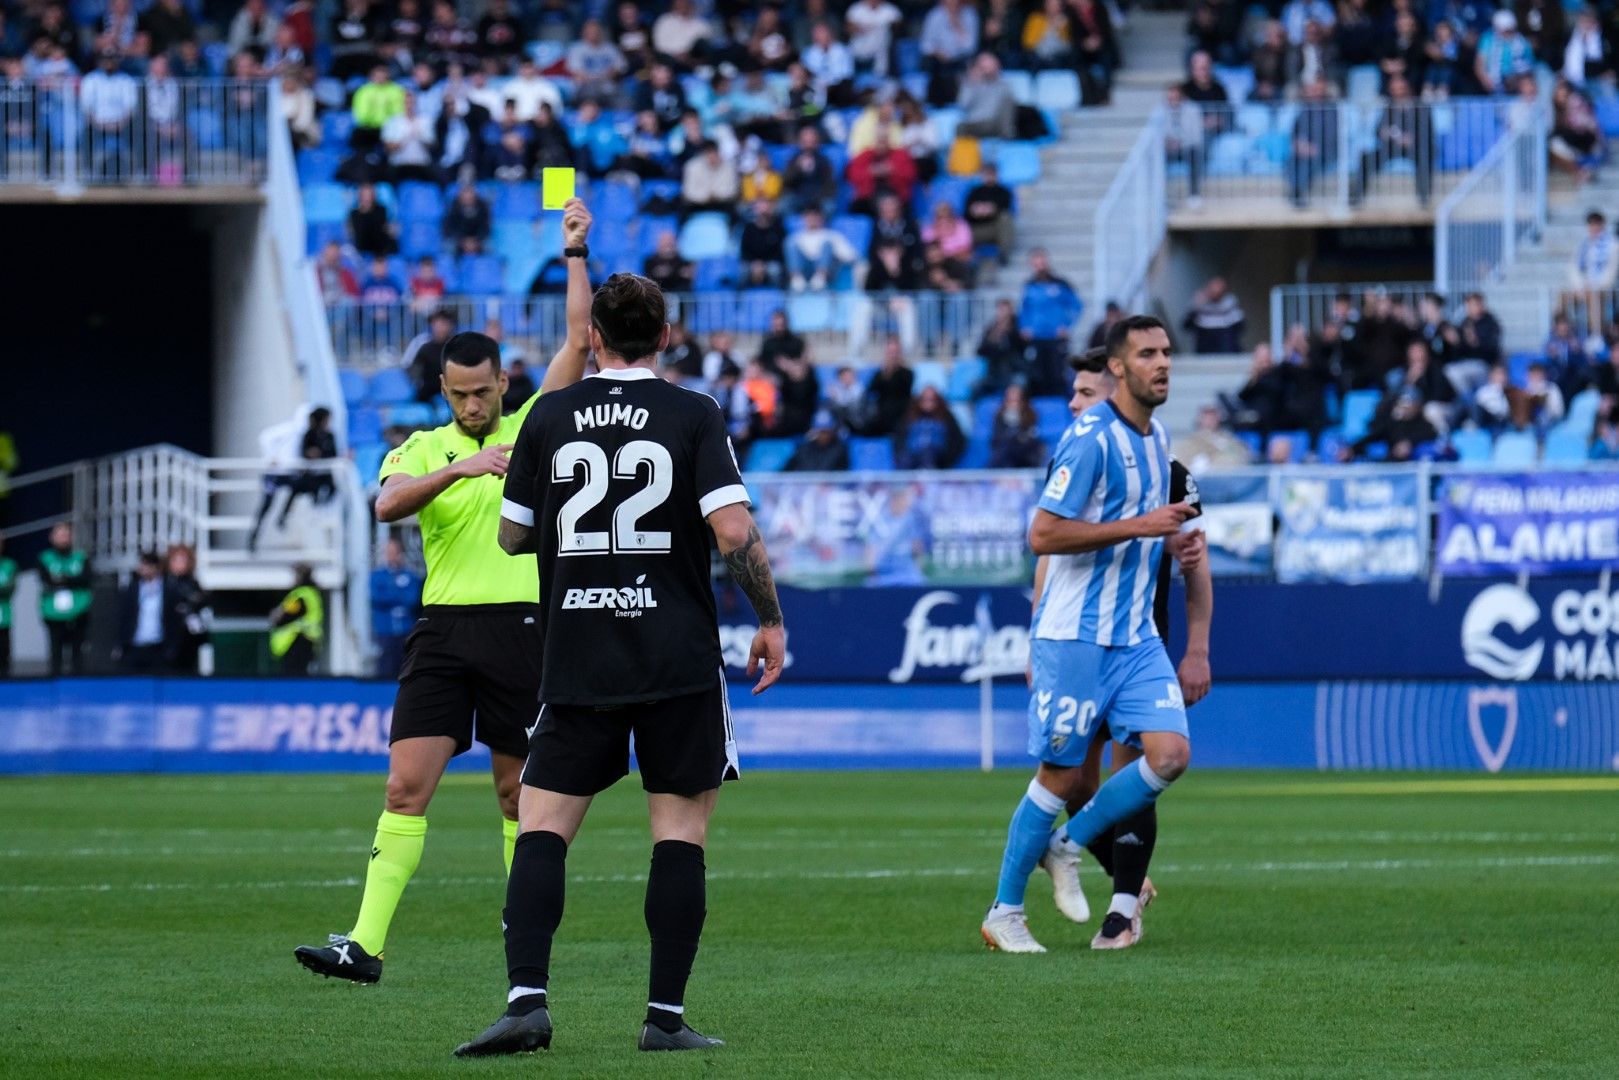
(654,1037)
(511,1035)
(341,959)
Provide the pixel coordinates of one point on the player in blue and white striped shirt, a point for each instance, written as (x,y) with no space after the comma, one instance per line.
(1095,654)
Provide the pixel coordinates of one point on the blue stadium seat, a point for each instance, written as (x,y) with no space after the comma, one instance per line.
(1472,446)
(652,226)
(1298,443)
(927,373)
(856,228)
(705,236)
(947,189)
(1582,409)
(1019,163)
(915,84)
(365,426)
(1365,83)
(336,127)
(945,121)
(984,411)
(715,274)
(318,166)
(667,190)
(420,201)
(390,386)
(354,385)
(1516,448)
(754,308)
(368,461)
(1053,416)
(1565,447)
(1021,83)
(770,455)
(811,313)
(418,238)
(517,202)
(1608,114)
(326,203)
(1255,120)
(1229,153)
(323,232)
(616,201)
(908,55)
(1518,366)
(976,455)
(966,374)
(1331,442)
(871,455)
(1250,439)
(1057,90)
(1237,81)
(1359,405)
(412,414)
(482,275)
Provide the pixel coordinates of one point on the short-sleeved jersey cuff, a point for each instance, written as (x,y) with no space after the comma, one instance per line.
(517,513)
(1057,510)
(725,496)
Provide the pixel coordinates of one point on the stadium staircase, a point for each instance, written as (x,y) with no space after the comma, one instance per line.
(1059,214)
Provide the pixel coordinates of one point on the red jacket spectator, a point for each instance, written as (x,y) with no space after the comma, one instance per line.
(882,168)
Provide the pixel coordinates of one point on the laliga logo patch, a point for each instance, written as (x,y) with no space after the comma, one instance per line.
(1057,486)
(1483,650)
(1504,698)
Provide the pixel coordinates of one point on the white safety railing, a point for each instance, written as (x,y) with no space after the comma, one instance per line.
(121,130)
(836,325)
(1131,222)
(1499,205)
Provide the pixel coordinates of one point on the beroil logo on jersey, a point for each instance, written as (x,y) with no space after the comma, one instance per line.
(625,603)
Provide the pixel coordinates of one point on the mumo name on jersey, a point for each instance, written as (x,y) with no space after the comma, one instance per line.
(606,415)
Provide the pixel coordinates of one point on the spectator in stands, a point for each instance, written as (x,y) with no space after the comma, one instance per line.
(1576,138)
(754,108)
(663,94)
(632,34)
(467,222)
(1215,27)
(887,395)
(595,64)
(1480,332)
(709,183)
(1604,378)
(1111,314)
(1596,264)
(1049,311)
(380,287)
(252,28)
(780,344)
(424,354)
(831,65)
(918,137)
(1587,57)
(1491,407)
(519,384)
(883,169)
(1014,440)
(337,281)
(799,388)
(880,118)
(683,356)
(1567,364)
(1405,132)
(871,26)
(928,437)
(107,98)
(988,109)
(409,141)
(297,625)
(809,179)
(1185,135)
(370,232)
(1004,350)
(147,619)
(1297,14)
(646,152)
(763,399)
(403,33)
(720,362)
(768,46)
(846,397)
(1048,37)
(1205,91)
(989,212)
(1443,339)
(64,600)
(1404,54)
(1315,141)
(193,615)
(948,41)
(1443,70)
(1545,28)
(166,24)
(761,247)
(666,266)
(163,123)
(1261,405)
(1210,446)
(531,90)
(948,250)
(823,449)
(816,254)
(449,39)
(285,54)
(1317,58)
(396,601)
(1271,64)
(458,132)
(1503,55)
(378,101)
(1357,39)
(427,286)
(759,181)
(1216,319)
(680,35)
(1605,443)
(1414,411)
(895,257)
(1096,50)
(1539,405)
(551,146)
(500,32)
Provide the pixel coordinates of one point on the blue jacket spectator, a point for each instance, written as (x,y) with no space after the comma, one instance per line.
(1049,311)
(396,602)
(929,437)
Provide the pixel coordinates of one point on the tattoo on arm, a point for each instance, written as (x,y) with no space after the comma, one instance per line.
(516,539)
(750,569)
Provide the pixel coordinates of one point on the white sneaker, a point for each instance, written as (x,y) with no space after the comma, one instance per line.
(1065,887)
(1009,932)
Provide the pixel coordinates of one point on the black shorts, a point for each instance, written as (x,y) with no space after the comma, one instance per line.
(471,671)
(683,745)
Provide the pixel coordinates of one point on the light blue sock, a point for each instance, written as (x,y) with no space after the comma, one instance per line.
(1026,841)
(1126,792)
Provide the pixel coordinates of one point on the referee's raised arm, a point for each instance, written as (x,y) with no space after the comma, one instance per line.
(568,365)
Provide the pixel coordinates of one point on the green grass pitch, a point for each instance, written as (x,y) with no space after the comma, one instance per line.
(1308,926)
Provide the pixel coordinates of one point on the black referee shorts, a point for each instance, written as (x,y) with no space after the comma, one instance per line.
(471,672)
(683,745)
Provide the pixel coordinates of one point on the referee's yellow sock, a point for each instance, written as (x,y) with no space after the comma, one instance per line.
(395,854)
(508,835)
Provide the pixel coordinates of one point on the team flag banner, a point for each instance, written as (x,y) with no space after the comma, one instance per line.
(1350,527)
(1536,523)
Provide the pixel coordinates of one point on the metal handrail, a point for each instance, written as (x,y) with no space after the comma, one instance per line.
(1521,148)
(1141,175)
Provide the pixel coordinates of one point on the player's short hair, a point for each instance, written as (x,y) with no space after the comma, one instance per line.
(629,312)
(472,349)
(1091,360)
(1119,335)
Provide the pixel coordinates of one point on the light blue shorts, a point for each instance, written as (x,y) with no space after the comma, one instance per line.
(1078,685)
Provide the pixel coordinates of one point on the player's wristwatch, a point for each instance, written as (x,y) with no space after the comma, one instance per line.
(580,252)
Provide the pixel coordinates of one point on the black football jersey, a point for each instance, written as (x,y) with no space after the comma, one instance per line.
(1182,488)
(616,476)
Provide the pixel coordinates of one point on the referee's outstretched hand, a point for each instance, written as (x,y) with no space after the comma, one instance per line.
(770,646)
(490,461)
(1166,520)
(576,221)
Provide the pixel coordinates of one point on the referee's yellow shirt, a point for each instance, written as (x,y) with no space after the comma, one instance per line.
(461,528)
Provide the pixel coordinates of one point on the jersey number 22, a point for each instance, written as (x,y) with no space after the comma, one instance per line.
(626,536)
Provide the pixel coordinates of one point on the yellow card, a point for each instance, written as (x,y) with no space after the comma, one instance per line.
(556,188)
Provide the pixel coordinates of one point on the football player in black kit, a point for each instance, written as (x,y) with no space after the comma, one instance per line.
(619,485)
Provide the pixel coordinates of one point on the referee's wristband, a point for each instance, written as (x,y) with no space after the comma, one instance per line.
(581,252)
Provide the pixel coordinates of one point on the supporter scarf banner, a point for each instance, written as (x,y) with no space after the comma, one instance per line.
(1238,522)
(1350,527)
(1536,523)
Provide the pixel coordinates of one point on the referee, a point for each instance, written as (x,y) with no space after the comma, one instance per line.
(617,484)
(471,667)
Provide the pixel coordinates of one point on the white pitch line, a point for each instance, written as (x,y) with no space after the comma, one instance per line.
(987,872)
